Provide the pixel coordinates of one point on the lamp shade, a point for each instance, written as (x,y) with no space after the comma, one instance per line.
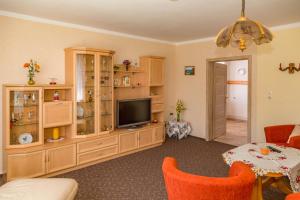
(243,33)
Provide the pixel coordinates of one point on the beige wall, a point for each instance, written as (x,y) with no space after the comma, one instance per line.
(22,40)
(282,108)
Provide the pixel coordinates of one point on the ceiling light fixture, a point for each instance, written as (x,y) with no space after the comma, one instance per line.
(243,32)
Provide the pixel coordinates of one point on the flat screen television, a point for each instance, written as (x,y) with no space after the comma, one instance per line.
(133,112)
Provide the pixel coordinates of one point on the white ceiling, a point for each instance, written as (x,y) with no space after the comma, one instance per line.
(173,21)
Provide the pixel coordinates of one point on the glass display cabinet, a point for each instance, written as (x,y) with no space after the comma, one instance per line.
(85,94)
(93,81)
(23,121)
(106,91)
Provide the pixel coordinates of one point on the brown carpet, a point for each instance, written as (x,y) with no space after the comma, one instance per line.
(139,175)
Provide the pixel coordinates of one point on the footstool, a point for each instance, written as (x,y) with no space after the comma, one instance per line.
(39,189)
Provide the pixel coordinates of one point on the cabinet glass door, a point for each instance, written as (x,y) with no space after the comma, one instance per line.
(85,94)
(24,121)
(106,94)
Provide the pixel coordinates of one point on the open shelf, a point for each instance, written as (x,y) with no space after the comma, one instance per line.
(129,71)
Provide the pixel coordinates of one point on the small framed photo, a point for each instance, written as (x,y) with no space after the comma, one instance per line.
(189,70)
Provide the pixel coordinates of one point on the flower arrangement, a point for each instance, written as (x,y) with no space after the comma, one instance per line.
(32,68)
(179,109)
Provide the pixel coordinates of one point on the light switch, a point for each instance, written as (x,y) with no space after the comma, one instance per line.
(270,95)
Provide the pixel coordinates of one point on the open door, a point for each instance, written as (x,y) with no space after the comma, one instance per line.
(219,99)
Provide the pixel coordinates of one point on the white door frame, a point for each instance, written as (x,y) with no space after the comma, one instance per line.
(209,93)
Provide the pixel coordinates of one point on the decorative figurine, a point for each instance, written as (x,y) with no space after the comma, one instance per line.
(33,98)
(127,64)
(30,114)
(126,81)
(90,92)
(56,96)
(26,97)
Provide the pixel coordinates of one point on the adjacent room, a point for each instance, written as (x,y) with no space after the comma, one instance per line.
(153,99)
(235,106)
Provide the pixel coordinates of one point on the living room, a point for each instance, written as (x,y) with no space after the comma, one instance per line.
(131,38)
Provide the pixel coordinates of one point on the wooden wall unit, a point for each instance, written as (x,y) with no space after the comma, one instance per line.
(84,115)
(91,73)
(154,65)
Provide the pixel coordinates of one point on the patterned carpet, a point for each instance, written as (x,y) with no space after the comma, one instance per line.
(139,177)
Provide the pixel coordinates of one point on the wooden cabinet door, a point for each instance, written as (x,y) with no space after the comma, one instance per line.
(128,141)
(23,114)
(156,72)
(158,134)
(57,113)
(25,165)
(145,137)
(61,158)
(219,99)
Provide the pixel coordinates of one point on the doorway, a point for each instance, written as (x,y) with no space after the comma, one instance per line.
(229,102)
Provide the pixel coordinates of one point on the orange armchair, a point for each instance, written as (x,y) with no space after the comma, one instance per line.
(293,197)
(184,186)
(280,135)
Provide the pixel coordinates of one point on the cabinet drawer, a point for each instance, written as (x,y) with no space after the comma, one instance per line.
(157,107)
(96,144)
(157,99)
(26,165)
(97,154)
(57,113)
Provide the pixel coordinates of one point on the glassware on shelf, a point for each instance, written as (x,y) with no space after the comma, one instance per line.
(24,125)
(106,90)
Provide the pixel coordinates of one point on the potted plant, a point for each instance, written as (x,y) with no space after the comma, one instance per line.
(179,109)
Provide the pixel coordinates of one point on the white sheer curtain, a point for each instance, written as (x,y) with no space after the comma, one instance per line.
(80,82)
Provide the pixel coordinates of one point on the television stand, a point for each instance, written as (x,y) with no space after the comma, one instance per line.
(133,128)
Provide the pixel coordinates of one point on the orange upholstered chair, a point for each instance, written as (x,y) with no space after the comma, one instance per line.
(293,197)
(184,186)
(280,135)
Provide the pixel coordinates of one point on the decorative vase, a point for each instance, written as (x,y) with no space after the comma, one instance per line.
(178,118)
(31,81)
(55,134)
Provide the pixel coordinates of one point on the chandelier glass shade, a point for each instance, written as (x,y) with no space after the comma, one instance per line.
(243,33)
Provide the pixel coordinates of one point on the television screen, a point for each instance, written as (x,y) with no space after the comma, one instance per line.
(133,112)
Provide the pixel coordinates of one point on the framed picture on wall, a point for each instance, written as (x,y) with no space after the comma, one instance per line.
(189,70)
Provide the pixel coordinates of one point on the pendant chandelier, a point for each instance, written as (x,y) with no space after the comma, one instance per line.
(243,32)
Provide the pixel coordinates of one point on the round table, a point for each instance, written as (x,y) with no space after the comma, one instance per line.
(269,169)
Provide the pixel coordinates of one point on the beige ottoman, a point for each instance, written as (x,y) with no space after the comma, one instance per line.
(39,189)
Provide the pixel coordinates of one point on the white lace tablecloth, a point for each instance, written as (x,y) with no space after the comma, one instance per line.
(178,129)
(287,162)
